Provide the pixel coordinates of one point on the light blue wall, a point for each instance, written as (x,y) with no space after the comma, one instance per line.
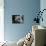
(14,32)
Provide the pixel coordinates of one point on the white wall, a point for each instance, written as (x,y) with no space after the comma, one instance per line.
(1,20)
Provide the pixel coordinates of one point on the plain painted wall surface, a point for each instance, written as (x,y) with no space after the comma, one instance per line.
(43,6)
(28,8)
(1,20)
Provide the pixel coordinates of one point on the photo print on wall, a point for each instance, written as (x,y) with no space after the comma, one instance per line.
(17,19)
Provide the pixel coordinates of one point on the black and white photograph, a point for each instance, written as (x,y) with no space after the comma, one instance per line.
(18,19)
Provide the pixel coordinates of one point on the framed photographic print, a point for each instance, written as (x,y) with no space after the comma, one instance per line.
(18,19)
